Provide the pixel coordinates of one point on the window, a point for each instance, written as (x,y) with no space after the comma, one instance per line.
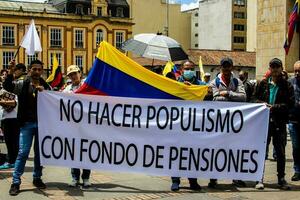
(79,9)
(240,15)
(239,2)
(196,14)
(119,39)
(7,56)
(239,27)
(99,11)
(8,35)
(120,12)
(58,57)
(32,58)
(78,38)
(79,61)
(196,45)
(196,24)
(196,34)
(99,36)
(55,37)
(239,39)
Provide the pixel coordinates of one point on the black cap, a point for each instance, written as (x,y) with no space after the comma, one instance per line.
(21,66)
(226,60)
(276,61)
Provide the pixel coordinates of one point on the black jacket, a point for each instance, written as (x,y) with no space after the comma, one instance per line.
(284,99)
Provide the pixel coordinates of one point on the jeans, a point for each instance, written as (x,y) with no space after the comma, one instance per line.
(28,132)
(76,174)
(277,131)
(11,131)
(294,130)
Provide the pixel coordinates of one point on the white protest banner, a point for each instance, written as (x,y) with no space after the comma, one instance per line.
(221,140)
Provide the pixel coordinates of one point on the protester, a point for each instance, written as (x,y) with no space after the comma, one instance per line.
(27,91)
(243,75)
(207,78)
(188,78)
(20,72)
(278,95)
(178,70)
(3,74)
(73,72)
(9,124)
(294,124)
(226,87)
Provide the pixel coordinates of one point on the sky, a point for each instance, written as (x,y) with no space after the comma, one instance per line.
(186,4)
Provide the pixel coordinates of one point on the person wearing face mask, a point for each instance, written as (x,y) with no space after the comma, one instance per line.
(188,76)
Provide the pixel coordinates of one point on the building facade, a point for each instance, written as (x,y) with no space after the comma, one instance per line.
(222,25)
(156,16)
(71,29)
(272,26)
(194,27)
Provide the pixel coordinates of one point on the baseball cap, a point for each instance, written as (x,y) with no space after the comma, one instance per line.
(276,61)
(226,60)
(72,68)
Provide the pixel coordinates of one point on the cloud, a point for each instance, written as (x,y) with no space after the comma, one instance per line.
(192,5)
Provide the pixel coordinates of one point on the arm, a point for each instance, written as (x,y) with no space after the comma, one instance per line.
(216,92)
(11,103)
(239,94)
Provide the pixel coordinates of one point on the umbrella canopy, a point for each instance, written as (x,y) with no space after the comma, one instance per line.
(154,46)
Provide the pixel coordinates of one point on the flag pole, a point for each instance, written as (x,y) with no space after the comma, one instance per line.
(17,52)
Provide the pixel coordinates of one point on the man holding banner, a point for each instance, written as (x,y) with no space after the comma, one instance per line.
(278,94)
(27,91)
(226,87)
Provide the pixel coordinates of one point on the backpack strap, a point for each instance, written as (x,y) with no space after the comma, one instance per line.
(235,82)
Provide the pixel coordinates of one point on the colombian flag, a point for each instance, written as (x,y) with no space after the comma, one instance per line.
(293,21)
(56,78)
(114,74)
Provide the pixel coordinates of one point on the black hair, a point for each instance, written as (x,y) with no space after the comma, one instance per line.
(21,66)
(3,70)
(38,62)
(171,75)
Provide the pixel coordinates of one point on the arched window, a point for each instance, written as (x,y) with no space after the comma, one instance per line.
(99,36)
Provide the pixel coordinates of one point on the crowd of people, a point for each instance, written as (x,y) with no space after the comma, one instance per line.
(18,103)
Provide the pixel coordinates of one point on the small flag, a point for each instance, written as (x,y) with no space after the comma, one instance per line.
(201,69)
(55,79)
(31,41)
(293,21)
(168,68)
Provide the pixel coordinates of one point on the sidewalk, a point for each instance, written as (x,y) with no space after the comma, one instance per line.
(123,186)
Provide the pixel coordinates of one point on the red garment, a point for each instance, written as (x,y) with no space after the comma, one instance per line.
(227,82)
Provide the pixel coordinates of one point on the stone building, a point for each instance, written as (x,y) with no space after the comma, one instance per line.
(71,29)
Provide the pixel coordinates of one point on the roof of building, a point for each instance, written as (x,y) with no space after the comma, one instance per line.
(27,6)
(213,57)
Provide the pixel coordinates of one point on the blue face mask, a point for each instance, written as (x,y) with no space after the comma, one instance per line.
(188,74)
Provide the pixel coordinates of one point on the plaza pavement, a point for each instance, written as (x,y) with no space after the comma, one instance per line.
(125,186)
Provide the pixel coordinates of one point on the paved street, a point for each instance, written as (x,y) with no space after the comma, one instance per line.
(123,186)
